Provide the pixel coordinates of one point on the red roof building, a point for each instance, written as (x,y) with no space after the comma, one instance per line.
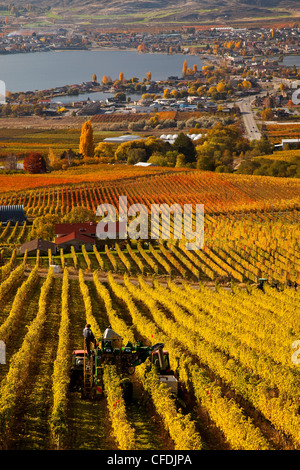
(79,234)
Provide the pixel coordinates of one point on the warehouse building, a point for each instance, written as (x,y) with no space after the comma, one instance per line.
(13,214)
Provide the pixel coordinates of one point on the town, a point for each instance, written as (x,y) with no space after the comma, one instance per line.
(238,63)
(244,80)
(220,40)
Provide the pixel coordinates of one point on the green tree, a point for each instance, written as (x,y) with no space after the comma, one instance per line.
(180,160)
(183,144)
(161,160)
(262,146)
(206,163)
(136,155)
(120,96)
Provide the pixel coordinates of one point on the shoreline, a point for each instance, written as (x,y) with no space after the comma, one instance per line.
(120,49)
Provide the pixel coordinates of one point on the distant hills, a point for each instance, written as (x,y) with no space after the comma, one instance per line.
(169,11)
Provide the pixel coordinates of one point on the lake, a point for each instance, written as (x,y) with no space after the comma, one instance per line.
(44,70)
(291,60)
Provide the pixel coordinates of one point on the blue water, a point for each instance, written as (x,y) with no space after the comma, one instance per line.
(291,60)
(44,70)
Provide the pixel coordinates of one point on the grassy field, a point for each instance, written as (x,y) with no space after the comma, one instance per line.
(20,141)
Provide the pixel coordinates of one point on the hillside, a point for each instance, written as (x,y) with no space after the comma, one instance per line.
(158,11)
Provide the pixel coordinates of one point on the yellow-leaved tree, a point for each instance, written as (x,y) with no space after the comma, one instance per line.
(184,68)
(121,77)
(87,146)
(53,160)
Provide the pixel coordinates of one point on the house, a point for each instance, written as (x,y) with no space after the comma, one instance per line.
(90,109)
(292,143)
(38,244)
(79,234)
(77,240)
(13,214)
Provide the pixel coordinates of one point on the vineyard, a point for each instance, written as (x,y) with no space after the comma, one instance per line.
(231,344)
(89,186)
(237,378)
(276,132)
(283,155)
(133,117)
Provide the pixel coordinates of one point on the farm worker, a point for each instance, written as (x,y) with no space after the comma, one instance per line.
(111,336)
(89,337)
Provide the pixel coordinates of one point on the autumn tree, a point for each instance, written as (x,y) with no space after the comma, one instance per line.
(122,152)
(67,158)
(184,68)
(86,146)
(282,87)
(35,163)
(219,145)
(105,151)
(121,77)
(106,79)
(221,87)
(11,162)
(246,84)
(94,78)
(155,145)
(142,47)
(44,227)
(180,160)
(148,76)
(175,94)
(154,120)
(79,215)
(53,160)
(267,114)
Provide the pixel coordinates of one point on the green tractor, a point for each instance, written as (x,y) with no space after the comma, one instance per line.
(87,371)
(262,281)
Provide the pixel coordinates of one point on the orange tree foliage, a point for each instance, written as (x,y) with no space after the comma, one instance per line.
(86,146)
(35,163)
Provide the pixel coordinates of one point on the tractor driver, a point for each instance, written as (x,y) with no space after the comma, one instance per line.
(89,338)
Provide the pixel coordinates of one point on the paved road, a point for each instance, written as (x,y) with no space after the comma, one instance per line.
(251,130)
